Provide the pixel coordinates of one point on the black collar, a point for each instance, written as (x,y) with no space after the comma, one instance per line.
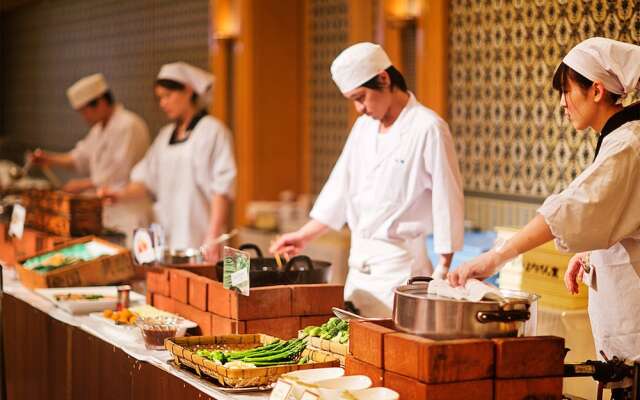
(627,114)
(194,121)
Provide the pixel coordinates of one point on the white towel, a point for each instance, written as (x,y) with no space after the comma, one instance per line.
(473,290)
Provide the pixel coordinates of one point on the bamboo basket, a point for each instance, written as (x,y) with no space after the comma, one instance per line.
(183,351)
(337,350)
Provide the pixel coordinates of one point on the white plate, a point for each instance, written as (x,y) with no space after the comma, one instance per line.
(87,306)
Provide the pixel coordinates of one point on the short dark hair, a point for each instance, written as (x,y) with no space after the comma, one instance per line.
(396,78)
(564,73)
(170,84)
(107,96)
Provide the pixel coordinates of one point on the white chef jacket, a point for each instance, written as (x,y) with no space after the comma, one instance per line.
(600,212)
(184,176)
(391,199)
(107,155)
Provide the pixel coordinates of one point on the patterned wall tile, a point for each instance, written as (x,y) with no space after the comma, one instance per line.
(510,134)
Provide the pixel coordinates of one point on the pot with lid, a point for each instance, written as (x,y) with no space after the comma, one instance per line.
(421,313)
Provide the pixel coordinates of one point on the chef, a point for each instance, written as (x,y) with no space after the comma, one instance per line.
(117,140)
(190,170)
(396,181)
(598,214)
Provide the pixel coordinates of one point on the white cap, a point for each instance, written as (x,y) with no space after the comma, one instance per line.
(198,79)
(86,89)
(615,64)
(357,64)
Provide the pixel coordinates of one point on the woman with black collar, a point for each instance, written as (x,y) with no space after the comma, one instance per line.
(598,214)
(190,170)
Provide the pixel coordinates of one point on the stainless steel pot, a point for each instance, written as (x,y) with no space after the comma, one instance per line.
(183,256)
(417,312)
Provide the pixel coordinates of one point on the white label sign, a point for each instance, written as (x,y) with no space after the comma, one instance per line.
(281,391)
(240,277)
(307,395)
(16,228)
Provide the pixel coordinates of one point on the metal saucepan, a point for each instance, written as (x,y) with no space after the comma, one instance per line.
(183,256)
(417,312)
(264,271)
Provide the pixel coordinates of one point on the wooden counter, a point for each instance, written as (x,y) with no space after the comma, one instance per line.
(48,359)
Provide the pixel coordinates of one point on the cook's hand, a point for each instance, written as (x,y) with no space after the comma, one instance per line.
(480,267)
(108,195)
(575,271)
(440,272)
(38,157)
(74,186)
(212,251)
(289,245)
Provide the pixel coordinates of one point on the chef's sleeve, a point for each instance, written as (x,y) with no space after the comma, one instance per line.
(447,193)
(146,170)
(214,163)
(81,155)
(133,141)
(600,207)
(330,207)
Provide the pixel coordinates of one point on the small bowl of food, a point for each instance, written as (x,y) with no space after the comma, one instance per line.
(156,329)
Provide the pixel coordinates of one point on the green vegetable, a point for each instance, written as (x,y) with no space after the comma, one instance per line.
(334,329)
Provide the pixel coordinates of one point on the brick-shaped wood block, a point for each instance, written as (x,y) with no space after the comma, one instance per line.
(262,302)
(158,281)
(198,292)
(202,318)
(366,341)
(353,366)
(226,326)
(441,361)
(549,388)
(164,303)
(284,328)
(218,299)
(413,389)
(528,357)
(316,299)
(179,284)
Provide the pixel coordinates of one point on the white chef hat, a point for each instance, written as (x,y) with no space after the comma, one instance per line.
(615,64)
(198,79)
(357,64)
(86,89)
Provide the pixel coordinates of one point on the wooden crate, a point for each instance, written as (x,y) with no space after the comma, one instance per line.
(100,271)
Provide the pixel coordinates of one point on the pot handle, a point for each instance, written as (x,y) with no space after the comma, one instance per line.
(254,247)
(300,258)
(485,317)
(414,279)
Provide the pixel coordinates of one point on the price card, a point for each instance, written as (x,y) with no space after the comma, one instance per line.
(307,395)
(238,278)
(16,228)
(281,391)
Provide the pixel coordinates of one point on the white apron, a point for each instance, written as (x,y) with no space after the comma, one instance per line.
(614,299)
(377,267)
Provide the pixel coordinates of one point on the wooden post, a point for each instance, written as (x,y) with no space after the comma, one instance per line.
(432,56)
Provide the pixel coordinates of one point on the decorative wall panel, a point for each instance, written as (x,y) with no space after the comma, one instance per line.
(511,137)
(46,46)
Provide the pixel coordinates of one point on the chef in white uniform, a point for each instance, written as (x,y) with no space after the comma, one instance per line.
(118,139)
(190,169)
(396,181)
(598,214)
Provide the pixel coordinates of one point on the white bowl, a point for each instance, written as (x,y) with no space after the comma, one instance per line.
(333,388)
(305,378)
(377,393)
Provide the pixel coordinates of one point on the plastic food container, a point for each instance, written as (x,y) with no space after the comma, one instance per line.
(156,329)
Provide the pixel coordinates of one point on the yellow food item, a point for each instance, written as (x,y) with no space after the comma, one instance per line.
(107,313)
(132,319)
(115,316)
(125,313)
